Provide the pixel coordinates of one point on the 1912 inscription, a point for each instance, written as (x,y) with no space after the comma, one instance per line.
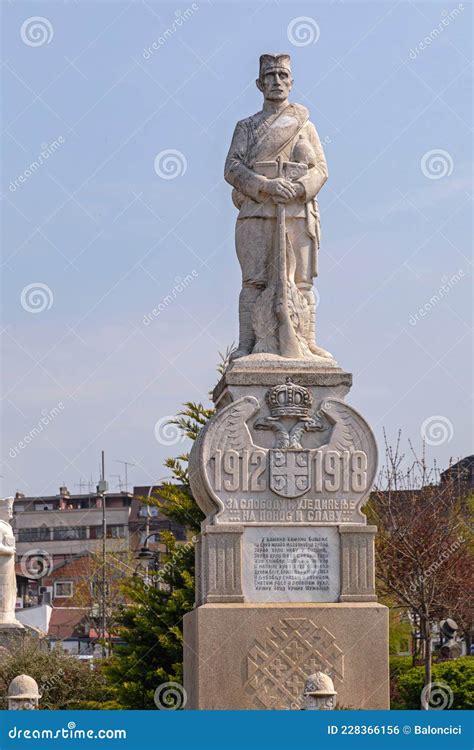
(332,471)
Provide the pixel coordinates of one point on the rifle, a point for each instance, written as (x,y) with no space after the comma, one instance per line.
(289,345)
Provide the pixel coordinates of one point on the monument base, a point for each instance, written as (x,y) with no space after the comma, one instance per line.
(11,637)
(258,656)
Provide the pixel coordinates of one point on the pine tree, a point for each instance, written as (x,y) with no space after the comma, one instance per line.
(151,626)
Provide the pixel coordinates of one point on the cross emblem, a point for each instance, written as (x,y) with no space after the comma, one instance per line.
(290,472)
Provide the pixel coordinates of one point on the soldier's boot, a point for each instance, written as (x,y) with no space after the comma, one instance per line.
(311,326)
(247,299)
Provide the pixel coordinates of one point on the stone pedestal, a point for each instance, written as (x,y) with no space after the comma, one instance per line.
(331,562)
(259,656)
(12,638)
(285,559)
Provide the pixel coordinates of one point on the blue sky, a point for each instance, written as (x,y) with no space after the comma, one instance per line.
(110,239)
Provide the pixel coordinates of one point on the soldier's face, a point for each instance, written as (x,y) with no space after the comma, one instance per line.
(275,85)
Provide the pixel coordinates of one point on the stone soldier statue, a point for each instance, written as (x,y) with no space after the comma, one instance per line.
(276,166)
(7,567)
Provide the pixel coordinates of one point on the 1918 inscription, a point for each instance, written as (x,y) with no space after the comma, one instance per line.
(246,470)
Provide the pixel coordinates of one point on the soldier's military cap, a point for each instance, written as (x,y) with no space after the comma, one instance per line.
(269,63)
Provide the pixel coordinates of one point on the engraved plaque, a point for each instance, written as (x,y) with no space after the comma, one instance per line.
(291,564)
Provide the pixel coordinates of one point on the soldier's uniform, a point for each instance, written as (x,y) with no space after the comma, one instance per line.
(257,141)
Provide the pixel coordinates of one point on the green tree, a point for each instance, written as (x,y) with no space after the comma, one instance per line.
(64,682)
(423,542)
(452,685)
(151,625)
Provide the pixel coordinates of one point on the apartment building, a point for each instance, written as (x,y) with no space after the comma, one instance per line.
(66,524)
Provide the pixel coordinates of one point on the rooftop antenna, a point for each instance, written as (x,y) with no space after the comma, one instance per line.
(126,464)
(81,484)
(119,476)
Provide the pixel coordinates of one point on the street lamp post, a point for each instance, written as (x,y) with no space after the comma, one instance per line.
(145,555)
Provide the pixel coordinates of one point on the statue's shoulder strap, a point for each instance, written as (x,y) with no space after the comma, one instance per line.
(284,128)
(300,111)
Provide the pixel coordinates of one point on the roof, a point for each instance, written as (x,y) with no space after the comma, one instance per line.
(69,622)
(22,572)
(71,496)
(73,558)
(462,470)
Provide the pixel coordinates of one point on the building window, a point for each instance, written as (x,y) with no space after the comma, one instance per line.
(114,531)
(69,533)
(147,510)
(42,534)
(63,589)
(44,506)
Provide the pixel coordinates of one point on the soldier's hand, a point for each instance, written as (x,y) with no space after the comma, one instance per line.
(299,190)
(280,188)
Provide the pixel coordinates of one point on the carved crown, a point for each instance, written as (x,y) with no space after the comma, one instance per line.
(289,400)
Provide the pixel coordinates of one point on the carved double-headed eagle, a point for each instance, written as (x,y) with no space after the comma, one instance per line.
(291,416)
